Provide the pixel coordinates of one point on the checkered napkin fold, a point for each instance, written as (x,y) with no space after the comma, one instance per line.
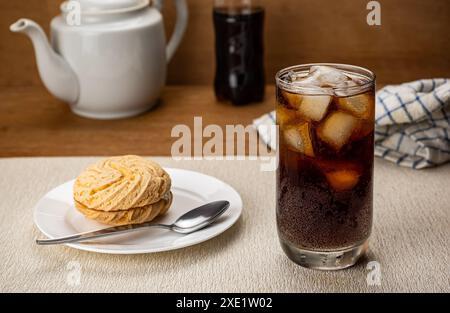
(412,123)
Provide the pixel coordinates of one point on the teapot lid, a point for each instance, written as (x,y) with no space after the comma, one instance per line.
(107,6)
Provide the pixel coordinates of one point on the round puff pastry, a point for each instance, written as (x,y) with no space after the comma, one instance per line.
(123,190)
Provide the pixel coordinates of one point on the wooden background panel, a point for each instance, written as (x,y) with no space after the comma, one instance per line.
(411,43)
(33,123)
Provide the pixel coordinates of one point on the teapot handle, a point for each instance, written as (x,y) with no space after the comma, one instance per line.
(180,26)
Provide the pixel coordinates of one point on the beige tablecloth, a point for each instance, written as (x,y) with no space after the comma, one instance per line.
(410,239)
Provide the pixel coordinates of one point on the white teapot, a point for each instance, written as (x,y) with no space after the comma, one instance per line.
(108,58)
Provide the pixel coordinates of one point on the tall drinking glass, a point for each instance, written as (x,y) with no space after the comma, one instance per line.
(325,114)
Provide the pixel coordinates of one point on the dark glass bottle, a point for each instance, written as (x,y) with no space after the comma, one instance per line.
(239,34)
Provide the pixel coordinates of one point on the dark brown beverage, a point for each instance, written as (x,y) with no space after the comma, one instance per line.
(325,173)
(239,54)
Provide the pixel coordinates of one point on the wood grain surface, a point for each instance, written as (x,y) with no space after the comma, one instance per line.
(33,123)
(411,43)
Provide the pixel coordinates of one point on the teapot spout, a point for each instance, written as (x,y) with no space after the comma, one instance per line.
(55,72)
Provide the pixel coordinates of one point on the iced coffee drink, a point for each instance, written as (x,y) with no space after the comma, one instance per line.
(325,114)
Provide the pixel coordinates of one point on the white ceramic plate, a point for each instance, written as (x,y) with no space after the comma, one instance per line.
(56,216)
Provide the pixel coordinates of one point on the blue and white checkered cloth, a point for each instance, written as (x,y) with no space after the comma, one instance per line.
(412,123)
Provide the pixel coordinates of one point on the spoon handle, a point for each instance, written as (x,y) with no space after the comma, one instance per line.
(111,231)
